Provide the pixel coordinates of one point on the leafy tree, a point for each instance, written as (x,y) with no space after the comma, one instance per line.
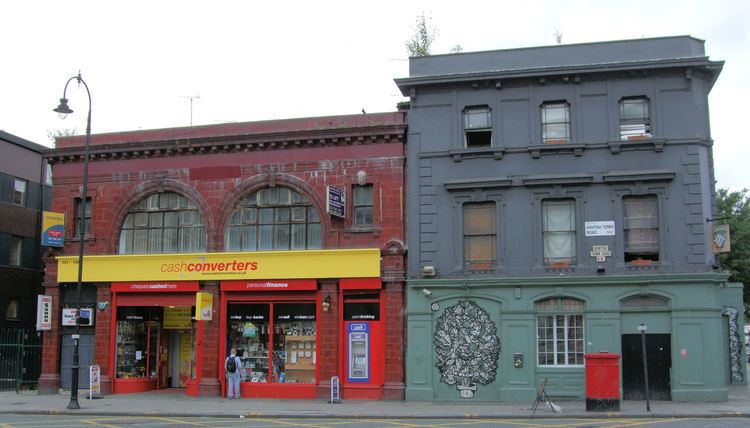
(736,206)
(420,43)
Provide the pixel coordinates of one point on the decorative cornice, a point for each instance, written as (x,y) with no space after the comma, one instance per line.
(643,175)
(232,144)
(559,179)
(477,183)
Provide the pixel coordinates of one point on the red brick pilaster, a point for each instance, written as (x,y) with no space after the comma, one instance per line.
(394,278)
(328,336)
(49,380)
(209,385)
(103,336)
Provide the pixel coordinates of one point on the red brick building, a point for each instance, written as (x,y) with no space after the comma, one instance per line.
(294,227)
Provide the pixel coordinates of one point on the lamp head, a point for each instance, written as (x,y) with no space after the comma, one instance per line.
(63,110)
(326,303)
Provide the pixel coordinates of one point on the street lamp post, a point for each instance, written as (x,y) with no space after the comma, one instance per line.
(63,110)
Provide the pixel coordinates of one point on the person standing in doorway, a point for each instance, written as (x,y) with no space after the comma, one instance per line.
(233,365)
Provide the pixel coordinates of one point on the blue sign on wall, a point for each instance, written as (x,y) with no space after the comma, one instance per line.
(336,202)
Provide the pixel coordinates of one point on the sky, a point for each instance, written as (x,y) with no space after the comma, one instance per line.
(253,60)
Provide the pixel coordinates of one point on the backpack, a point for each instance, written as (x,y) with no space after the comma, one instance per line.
(231,365)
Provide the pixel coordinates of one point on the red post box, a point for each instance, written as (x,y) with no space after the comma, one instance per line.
(602,382)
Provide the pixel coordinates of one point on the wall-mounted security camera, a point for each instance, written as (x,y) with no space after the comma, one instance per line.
(428,271)
(426,292)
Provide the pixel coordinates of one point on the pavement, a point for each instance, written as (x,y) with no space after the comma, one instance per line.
(174,403)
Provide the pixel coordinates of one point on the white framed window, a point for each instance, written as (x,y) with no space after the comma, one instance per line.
(635,119)
(560,333)
(19,191)
(163,223)
(362,205)
(559,230)
(555,122)
(16,250)
(480,235)
(477,126)
(274,218)
(640,228)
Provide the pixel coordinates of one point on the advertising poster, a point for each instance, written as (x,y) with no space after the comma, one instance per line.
(177,318)
(185,362)
(53,229)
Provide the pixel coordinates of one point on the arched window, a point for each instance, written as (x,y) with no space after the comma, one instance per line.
(162,223)
(560,339)
(274,218)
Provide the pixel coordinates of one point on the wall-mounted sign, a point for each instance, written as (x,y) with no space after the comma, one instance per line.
(204,305)
(601,252)
(600,228)
(336,201)
(69,316)
(720,242)
(178,318)
(155,286)
(53,229)
(180,268)
(44,312)
(270,285)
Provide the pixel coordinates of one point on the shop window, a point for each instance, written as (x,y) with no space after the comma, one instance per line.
(163,223)
(16,251)
(635,119)
(363,204)
(11,310)
(137,340)
(478,127)
(19,191)
(555,122)
(480,235)
(559,231)
(86,216)
(560,335)
(276,342)
(274,218)
(641,229)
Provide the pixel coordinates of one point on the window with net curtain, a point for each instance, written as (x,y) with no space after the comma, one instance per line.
(559,230)
(641,228)
(162,223)
(480,235)
(560,335)
(274,218)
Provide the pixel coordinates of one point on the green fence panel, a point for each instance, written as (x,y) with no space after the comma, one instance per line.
(20,358)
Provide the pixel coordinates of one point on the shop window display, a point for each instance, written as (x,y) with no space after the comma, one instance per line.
(137,335)
(276,342)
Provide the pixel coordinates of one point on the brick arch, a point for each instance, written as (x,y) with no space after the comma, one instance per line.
(261,181)
(148,188)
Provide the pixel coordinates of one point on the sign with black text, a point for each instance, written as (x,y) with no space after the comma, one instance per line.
(336,202)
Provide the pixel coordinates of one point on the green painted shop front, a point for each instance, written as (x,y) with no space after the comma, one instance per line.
(479,339)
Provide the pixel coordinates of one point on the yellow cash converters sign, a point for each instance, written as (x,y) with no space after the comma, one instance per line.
(355,263)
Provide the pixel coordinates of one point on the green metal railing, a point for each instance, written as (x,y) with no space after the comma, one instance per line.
(20,358)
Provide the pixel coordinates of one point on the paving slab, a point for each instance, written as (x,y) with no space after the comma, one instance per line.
(176,403)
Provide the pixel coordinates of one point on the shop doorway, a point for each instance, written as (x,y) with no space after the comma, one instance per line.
(176,359)
(659,360)
(85,360)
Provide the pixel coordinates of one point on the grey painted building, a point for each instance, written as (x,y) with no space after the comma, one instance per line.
(558,199)
(23,193)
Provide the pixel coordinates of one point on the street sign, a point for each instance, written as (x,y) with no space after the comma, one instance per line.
(601,252)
